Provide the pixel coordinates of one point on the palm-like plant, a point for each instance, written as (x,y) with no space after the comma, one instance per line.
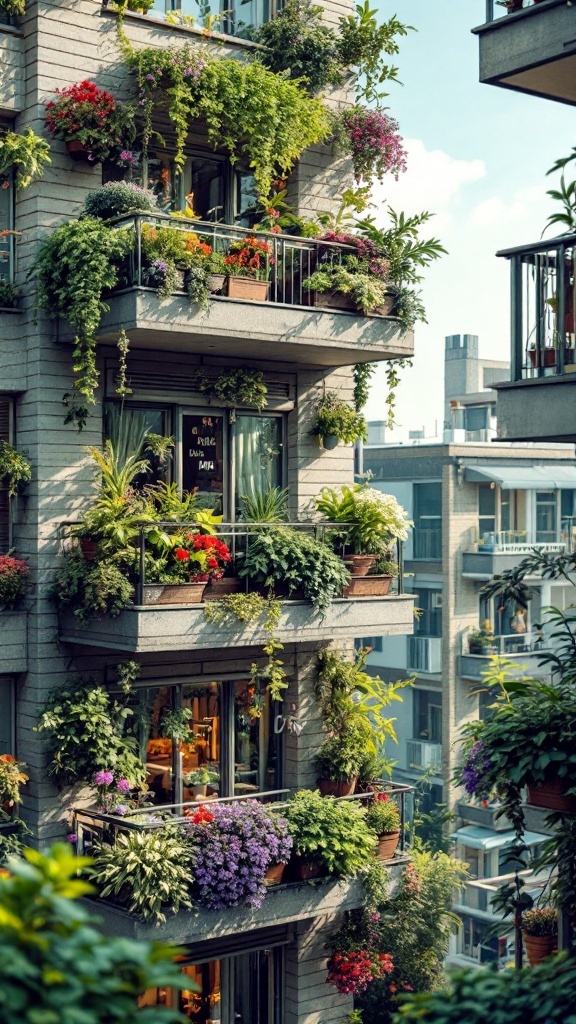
(266,506)
(400,244)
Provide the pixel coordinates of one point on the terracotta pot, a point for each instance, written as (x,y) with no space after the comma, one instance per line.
(539,947)
(551,795)
(216,283)
(334,300)
(341,787)
(78,151)
(359,565)
(302,869)
(549,355)
(225,585)
(174,593)
(89,548)
(246,288)
(386,845)
(274,874)
(368,586)
(197,789)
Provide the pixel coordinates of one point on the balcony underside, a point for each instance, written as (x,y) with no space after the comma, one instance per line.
(542,409)
(149,629)
(532,51)
(13,643)
(472,666)
(282,905)
(254,330)
(12,78)
(483,566)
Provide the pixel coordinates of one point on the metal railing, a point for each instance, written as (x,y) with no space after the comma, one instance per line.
(508,645)
(543,292)
(292,259)
(424,754)
(496,11)
(425,653)
(524,541)
(428,543)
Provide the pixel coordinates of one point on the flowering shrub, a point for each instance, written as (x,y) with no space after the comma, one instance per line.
(200,557)
(365,250)
(383,815)
(234,851)
(374,520)
(89,115)
(474,768)
(13,581)
(249,257)
(111,791)
(11,778)
(372,138)
(117,198)
(351,972)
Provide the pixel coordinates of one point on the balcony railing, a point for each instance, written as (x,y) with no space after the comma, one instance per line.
(424,755)
(506,646)
(495,11)
(427,544)
(524,541)
(425,654)
(542,308)
(291,262)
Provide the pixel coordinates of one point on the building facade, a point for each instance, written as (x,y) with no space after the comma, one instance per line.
(252,966)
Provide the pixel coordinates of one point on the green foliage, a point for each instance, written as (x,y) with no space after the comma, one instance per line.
(367,291)
(175,725)
(86,734)
(56,967)
(234,387)
(330,831)
(373,520)
(13,6)
(74,266)
(9,293)
(540,921)
(414,928)
(149,870)
(15,469)
(364,45)
(26,154)
(12,777)
(14,582)
(300,45)
(285,556)
(383,816)
(93,589)
(363,373)
(565,194)
(266,506)
(246,108)
(245,608)
(117,198)
(334,416)
(241,608)
(542,995)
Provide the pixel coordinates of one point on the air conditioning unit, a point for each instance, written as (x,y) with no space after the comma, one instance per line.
(436,599)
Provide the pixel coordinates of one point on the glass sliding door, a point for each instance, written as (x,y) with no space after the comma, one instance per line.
(203,457)
(546,516)
(258,450)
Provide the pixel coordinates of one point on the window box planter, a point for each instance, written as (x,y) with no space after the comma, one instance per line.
(216,283)
(549,356)
(387,307)
(174,593)
(334,300)
(274,874)
(551,795)
(249,288)
(341,787)
(386,846)
(220,588)
(368,586)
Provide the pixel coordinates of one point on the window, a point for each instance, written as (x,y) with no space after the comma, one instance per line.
(480,942)
(241,752)
(234,17)
(428,521)
(374,642)
(476,418)
(428,716)
(6,417)
(241,989)
(486,509)
(258,453)
(546,506)
(127,428)
(429,620)
(7,716)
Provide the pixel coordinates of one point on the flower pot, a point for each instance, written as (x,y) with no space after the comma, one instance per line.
(246,288)
(174,593)
(552,796)
(334,300)
(216,283)
(548,354)
(539,947)
(78,151)
(274,874)
(220,588)
(197,790)
(329,442)
(386,845)
(339,787)
(89,548)
(303,868)
(387,307)
(368,586)
(359,565)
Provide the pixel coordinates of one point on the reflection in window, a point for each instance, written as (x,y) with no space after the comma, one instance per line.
(258,454)
(255,744)
(205,703)
(207,187)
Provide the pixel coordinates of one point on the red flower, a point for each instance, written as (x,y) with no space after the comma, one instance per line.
(181,554)
(201,816)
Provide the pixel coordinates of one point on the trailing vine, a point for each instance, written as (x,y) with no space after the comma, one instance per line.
(26,154)
(363,373)
(245,608)
(75,265)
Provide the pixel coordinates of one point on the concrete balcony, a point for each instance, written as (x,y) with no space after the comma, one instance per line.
(552,405)
(151,628)
(424,755)
(474,814)
(12,83)
(523,651)
(532,51)
(13,643)
(502,551)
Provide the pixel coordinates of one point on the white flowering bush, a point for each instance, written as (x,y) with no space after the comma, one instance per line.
(374,520)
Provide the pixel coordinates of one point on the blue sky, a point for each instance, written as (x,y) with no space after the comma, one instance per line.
(478,157)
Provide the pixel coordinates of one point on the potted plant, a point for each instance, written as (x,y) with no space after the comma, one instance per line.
(180,573)
(248,265)
(119,199)
(548,356)
(9,294)
(331,837)
(15,469)
(481,641)
(340,759)
(335,421)
(198,780)
(540,933)
(372,521)
(12,777)
(14,583)
(378,581)
(176,260)
(217,270)
(90,121)
(511,5)
(383,817)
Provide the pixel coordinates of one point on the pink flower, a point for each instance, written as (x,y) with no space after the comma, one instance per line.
(123,786)
(104,778)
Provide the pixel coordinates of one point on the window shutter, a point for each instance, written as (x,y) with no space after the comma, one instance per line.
(5,408)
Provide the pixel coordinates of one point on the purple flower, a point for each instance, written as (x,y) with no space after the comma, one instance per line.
(126,157)
(475,767)
(120,809)
(150,78)
(123,786)
(160,266)
(104,778)
(72,837)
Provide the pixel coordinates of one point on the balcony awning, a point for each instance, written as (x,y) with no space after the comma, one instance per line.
(479,838)
(523,478)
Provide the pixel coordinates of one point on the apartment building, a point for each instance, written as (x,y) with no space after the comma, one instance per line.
(530,49)
(252,965)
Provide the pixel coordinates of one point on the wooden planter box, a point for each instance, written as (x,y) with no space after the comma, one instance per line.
(220,588)
(368,586)
(173,593)
(246,288)
(334,300)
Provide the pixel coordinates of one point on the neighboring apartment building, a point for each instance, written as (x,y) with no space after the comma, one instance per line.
(478,508)
(530,50)
(262,965)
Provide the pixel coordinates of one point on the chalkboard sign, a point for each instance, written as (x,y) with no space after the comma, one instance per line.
(203,454)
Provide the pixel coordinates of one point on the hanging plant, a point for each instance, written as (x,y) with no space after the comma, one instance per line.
(13,6)
(15,468)
(372,139)
(74,266)
(234,387)
(335,422)
(25,155)
(90,121)
(246,108)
